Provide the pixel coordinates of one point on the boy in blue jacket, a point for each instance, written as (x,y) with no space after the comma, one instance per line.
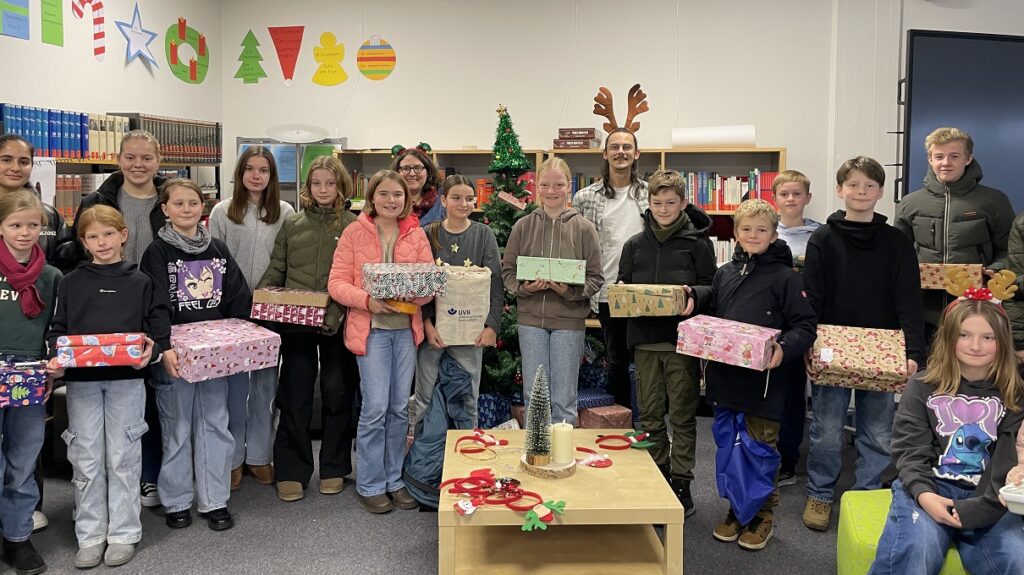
(758,287)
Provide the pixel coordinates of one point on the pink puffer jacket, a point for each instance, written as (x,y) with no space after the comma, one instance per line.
(360,244)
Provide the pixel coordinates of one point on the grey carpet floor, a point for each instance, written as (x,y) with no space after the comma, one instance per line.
(332,534)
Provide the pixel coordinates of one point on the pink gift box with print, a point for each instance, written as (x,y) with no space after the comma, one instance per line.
(22,384)
(726,341)
(218,348)
(302,307)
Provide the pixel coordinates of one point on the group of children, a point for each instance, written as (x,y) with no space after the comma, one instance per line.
(141,235)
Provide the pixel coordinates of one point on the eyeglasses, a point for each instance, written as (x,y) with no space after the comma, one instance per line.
(412,169)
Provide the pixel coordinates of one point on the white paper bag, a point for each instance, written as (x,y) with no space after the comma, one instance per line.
(461,313)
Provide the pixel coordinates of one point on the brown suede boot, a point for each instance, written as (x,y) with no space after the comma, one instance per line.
(263,474)
(236,478)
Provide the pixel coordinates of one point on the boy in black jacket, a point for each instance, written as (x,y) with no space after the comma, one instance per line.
(673,249)
(758,287)
(860,272)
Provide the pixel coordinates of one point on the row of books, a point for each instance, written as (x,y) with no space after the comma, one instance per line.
(712,191)
(181,140)
(723,250)
(70,189)
(67,135)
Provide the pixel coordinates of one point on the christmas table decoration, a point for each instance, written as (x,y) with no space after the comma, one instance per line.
(537,459)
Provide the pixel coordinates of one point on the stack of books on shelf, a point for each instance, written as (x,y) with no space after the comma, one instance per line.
(181,140)
(577,139)
(715,192)
(53,133)
(723,250)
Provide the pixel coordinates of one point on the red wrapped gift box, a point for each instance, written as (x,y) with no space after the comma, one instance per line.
(101,350)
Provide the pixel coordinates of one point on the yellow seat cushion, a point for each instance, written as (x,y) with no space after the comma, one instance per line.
(861,520)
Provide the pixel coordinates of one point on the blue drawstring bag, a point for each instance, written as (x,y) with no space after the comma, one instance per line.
(744,467)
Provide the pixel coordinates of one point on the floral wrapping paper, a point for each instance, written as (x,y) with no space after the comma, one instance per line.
(859,358)
(933,276)
(218,348)
(644,300)
(726,341)
(22,384)
(394,281)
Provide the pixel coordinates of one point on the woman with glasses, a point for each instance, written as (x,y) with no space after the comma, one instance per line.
(420,176)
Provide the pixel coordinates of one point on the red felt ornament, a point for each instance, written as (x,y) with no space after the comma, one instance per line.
(499,344)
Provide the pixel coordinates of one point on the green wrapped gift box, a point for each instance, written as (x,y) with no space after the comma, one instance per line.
(559,270)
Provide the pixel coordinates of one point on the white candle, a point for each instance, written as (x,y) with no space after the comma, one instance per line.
(561,443)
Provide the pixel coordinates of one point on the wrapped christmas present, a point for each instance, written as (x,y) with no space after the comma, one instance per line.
(859,358)
(933,276)
(641,300)
(587,398)
(22,383)
(396,281)
(218,348)
(606,417)
(283,305)
(462,311)
(726,341)
(554,269)
(101,350)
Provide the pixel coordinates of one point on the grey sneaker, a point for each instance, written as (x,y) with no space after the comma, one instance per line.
(118,554)
(39,521)
(149,495)
(89,557)
(787,477)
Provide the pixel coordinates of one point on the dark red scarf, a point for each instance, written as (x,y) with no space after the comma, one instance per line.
(23,278)
(427,199)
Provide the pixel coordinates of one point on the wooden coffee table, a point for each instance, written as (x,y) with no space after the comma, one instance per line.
(608,526)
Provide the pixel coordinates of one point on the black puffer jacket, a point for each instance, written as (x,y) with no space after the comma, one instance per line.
(762,290)
(962,222)
(106,195)
(686,258)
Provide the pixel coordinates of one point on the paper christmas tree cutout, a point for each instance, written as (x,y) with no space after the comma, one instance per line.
(250,71)
(538,418)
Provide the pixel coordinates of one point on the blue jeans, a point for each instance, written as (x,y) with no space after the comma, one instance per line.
(104,437)
(428,364)
(559,351)
(23,429)
(251,415)
(196,442)
(912,542)
(386,373)
(874,418)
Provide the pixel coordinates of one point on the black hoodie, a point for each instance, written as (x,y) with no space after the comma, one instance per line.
(864,274)
(106,195)
(95,299)
(761,290)
(686,258)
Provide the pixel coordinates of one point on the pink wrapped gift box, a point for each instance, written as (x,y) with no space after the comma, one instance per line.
(726,341)
(101,350)
(860,358)
(218,348)
(289,313)
(22,384)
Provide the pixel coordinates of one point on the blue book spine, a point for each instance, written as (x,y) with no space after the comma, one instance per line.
(5,118)
(83,138)
(56,134)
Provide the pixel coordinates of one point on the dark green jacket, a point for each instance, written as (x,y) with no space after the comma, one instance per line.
(1015,263)
(303,252)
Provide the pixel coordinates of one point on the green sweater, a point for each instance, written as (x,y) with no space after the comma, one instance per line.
(303,253)
(20,335)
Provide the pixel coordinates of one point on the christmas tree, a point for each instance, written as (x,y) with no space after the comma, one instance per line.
(250,71)
(538,417)
(502,363)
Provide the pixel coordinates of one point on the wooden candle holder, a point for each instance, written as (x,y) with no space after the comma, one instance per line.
(547,469)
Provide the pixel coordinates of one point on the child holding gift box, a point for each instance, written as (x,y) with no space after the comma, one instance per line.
(302,258)
(552,314)
(106,405)
(458,241)
(758,287)
(383,339)
(792,192)
(672,249)
(28,294)
(195,275)
(248,223)
(852,241)
(953,443)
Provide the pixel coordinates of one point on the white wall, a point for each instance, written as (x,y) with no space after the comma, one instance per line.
(816,77)
(70,78)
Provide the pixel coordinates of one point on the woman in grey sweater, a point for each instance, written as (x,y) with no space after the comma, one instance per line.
(248,223)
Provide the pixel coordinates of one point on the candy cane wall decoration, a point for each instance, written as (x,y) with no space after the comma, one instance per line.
(99,36)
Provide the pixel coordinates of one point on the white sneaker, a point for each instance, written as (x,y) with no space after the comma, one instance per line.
(39,521)
(150,497)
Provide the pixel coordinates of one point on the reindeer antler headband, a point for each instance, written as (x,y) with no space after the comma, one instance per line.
(1000,288)
(637,105)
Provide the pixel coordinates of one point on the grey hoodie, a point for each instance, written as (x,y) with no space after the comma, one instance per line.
(250,242)
(569,236)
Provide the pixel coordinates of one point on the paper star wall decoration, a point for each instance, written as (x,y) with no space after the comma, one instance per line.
(138,38)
